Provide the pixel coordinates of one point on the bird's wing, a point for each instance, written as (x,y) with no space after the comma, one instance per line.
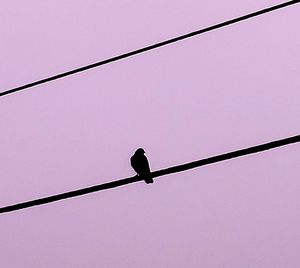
(145,164)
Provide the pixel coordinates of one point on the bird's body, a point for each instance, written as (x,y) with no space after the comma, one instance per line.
(140,164)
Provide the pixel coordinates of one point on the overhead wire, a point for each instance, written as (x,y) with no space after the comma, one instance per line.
(148,48)
(154,174)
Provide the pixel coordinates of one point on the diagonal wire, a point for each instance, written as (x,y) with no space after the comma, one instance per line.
(155,174)
(151,47)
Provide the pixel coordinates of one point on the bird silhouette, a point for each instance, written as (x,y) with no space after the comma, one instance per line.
(140,164)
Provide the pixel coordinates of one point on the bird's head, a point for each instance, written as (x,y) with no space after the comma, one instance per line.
(140,151)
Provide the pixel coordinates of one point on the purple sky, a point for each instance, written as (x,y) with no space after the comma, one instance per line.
(225,90)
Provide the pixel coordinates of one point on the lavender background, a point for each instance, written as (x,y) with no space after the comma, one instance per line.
(225,90)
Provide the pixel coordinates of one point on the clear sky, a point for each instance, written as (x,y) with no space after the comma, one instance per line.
(225,90)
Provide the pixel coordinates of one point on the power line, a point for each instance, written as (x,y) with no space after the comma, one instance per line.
(155,174)
(147,48)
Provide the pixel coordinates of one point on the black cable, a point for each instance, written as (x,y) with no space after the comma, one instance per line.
(155,174)
(147,48)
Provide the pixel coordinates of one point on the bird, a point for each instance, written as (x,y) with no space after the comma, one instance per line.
(140,164)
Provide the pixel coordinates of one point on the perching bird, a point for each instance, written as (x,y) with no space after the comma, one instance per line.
(140,164)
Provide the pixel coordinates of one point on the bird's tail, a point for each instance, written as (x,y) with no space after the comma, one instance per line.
(148,179)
